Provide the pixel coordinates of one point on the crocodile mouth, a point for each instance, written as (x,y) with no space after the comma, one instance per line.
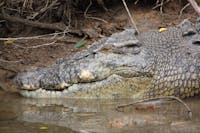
(118,85)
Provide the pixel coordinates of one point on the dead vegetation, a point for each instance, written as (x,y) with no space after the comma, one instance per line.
(22,17)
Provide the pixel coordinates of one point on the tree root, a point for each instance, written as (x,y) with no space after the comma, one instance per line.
(55,26)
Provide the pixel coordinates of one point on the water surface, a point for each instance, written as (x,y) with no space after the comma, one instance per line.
(23,115)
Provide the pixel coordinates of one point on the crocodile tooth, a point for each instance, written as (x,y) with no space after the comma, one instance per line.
(57,93)
(48,93)
(53,94)
(26,93)
(65,92)
(33,94)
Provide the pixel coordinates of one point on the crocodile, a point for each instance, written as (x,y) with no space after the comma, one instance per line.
(127,64)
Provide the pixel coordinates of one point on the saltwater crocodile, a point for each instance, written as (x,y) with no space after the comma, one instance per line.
(126,65)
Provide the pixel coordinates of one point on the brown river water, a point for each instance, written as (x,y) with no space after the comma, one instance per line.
(23,115)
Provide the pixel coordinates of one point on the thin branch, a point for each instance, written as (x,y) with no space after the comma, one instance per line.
(24,4)
(43,9)
(1,4)
(39,37)
(130,17)
(45,44)
(160,5)
(195,6)
(189,111)
(181,11)
(136,2)
(1,21)
(90,17)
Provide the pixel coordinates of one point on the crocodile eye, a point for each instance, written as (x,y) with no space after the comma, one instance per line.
(133,45)
(129,49)
(128,43)
(196,42)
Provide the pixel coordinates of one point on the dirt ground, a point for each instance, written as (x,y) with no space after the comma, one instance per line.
(26,54)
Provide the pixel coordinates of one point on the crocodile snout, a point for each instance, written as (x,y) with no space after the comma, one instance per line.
(28,81)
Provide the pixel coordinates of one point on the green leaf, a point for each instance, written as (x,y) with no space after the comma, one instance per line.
(8,42)
(79,44)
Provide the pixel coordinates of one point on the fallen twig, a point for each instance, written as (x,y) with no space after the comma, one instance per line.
(32,37)
(7,61)
(131,18)
(46,44)
(41,45)
(189,111)
(39,37)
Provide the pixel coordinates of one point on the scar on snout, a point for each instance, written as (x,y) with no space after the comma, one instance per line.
(86,75)
(28,87)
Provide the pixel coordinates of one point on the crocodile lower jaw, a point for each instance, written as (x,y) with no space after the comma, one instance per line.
(113,87)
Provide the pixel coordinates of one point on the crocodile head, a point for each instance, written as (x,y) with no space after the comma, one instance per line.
(112,67)
(122,66)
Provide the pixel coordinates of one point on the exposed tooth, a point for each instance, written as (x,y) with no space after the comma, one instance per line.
(25,93)
(33,94)
(43,91)
(48,93)
(86,75)
(53,94)
(65,92)
(64,85)
(28,94)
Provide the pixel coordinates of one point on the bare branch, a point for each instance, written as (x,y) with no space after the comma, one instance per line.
(44,37)
(160,5)
(195,6)
(43,9)
(129,14)
(181,11)
(90,17)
